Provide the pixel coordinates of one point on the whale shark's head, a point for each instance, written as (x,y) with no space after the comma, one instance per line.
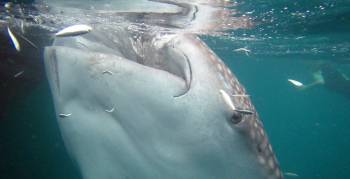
(150,105)
(141,96)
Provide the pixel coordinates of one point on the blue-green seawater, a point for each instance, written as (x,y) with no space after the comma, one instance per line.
(309,129)
(30,143)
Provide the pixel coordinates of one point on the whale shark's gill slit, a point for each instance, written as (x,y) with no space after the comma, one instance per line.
(53,58)
(188,77)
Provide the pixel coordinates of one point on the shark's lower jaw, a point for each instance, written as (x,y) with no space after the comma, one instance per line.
(145,106)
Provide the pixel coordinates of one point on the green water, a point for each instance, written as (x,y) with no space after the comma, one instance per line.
(309,129)
(31,145)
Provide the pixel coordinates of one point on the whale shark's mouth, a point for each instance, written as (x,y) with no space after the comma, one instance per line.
(157,52)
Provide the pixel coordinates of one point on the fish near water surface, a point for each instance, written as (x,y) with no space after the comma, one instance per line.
(144,100)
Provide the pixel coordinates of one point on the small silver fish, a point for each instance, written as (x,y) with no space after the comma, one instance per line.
(30,42)
(22,27)
(229,102)
(296,83)
(240,95)
(290,174)
(227,99)
(63,115)
(14,39)
(74,30)
(110,110)
(244,111)
(18,74)
(107,72)
(245,50)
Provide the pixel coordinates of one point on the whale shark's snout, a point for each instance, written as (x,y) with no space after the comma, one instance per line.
(123,55)
(150,105)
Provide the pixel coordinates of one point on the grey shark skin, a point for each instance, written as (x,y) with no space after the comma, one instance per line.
(170,120)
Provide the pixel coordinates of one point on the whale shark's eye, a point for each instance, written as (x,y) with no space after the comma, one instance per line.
(238,114)
(236,117)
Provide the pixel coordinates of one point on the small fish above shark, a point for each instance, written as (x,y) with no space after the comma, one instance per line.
(147,98)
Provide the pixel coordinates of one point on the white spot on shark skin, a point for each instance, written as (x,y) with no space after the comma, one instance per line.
(227,85)
(270,147)
(14,40)
(74,30)
(221,77)
(261,131)
(271,163)
(237,88)
(229,71)
(255,124)
(219,67)
(261,159)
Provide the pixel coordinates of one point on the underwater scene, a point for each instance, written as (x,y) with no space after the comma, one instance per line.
(216,89)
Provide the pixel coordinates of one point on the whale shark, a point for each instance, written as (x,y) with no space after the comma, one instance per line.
(142,96)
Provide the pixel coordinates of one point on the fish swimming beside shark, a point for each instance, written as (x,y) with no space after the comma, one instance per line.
(175,109)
